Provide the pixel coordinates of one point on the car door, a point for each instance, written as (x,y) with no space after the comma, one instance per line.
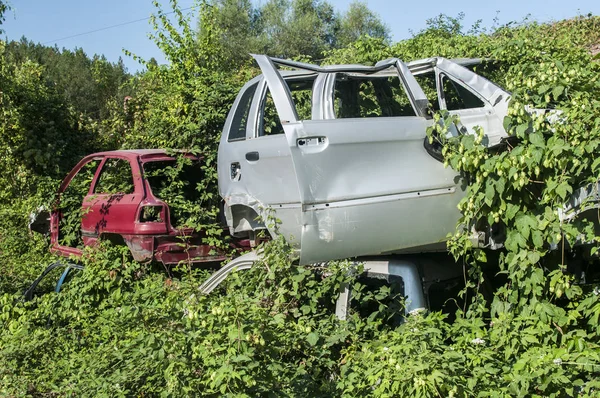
(256,171)
(111,206)
(367,185)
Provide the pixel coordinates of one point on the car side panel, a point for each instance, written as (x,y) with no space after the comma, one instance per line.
(367,185)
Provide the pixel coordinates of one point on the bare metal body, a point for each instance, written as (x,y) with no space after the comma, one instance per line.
(345,185)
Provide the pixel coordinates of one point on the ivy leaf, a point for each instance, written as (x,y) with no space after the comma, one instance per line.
(537,139)
(562,189)
(543,88)
(521,128)
(511,211)
(507,122)
(525,223)
(241,358)
(533,257)
(514,241)
(500,186)
(536,155)
(312,339)
(557,91)
(489,194)
(537,238)
(305,309)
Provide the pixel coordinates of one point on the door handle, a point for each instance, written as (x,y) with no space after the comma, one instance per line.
(311,145)
(252,156)
(311,141)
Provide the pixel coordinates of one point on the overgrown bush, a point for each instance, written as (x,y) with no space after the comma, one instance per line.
(121,329)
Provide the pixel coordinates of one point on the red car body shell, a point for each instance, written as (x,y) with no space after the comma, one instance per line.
(120,215)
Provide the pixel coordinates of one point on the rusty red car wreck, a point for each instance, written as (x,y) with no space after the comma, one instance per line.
(123,196)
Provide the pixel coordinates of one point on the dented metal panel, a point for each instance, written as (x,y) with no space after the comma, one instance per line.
(379,227)
(381,65)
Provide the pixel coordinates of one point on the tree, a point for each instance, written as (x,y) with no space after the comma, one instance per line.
(237,23)
(3,8)
(299,27)
(360,21)
(87,84)
(288,28)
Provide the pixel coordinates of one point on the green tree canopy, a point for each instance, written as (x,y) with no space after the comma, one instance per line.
(288,28)
(358,21)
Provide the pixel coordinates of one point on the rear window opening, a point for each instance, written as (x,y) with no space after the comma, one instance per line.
(151,214)
(301,91)
(115,178)
(178,183)
(239,123)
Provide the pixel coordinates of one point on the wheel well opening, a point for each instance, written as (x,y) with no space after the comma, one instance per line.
(245,220)
(114,239)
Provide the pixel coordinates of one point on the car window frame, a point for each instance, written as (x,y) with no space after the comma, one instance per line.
(251,111)
(135,180)
(261,97)
(393,72)
(30,292)
(439,75)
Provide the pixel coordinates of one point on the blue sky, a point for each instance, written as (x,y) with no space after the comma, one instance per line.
(46,21)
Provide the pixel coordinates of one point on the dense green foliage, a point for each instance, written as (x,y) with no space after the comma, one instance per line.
(121,328)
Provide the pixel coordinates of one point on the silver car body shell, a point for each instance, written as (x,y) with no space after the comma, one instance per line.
(342,188)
